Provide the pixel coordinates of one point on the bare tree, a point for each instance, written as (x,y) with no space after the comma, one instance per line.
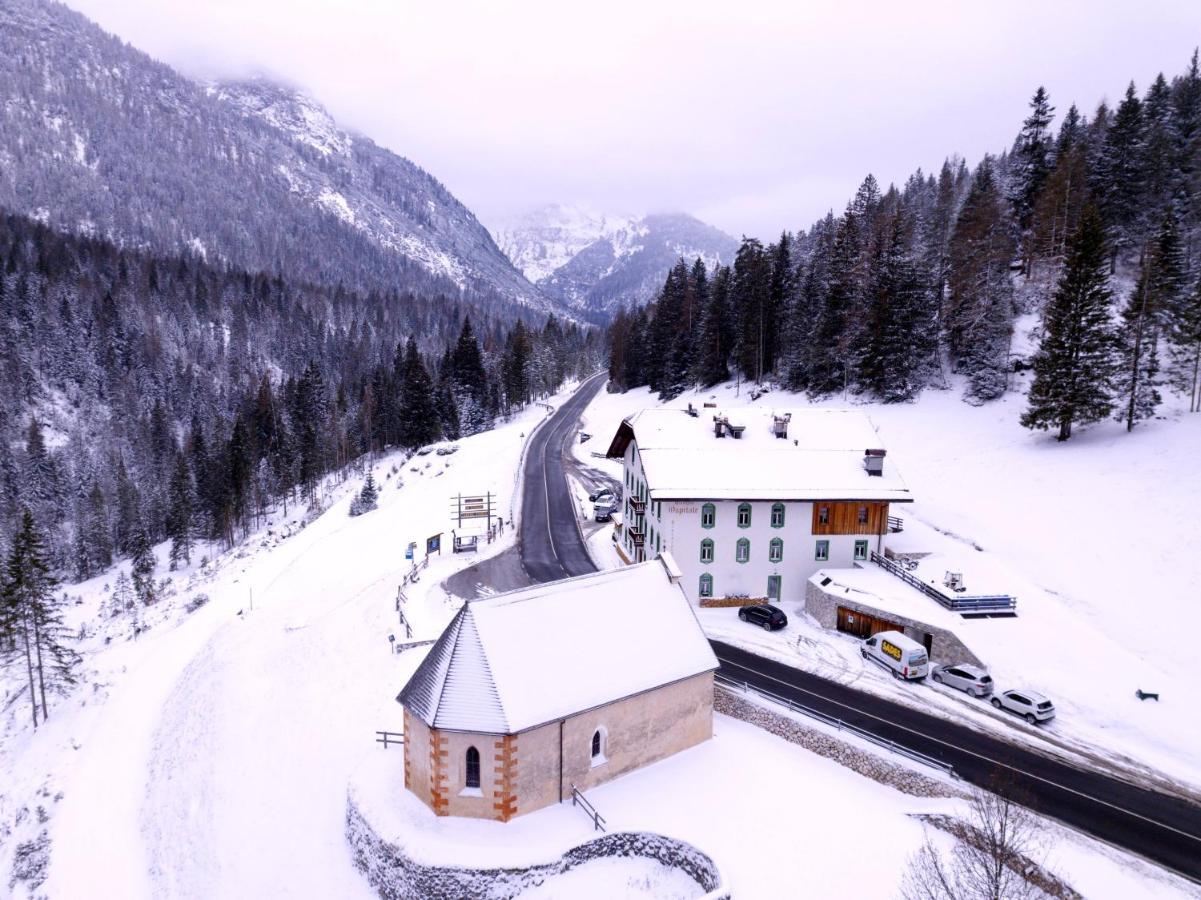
(998,855)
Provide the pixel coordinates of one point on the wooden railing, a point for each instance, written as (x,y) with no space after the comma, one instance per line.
(578,799)
(896,524)
(388,738)
(965,604)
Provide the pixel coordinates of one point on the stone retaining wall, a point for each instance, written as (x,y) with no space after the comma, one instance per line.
(866,763)
(945,647)
(396,876)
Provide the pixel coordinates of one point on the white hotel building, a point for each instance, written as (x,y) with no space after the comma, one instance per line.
(751,501)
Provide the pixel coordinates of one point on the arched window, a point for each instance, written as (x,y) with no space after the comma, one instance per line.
(706,551)
(742,551)
(598,746)
(744,515)
(775,551)
(706,585)
(708,515)
(473,767)
(777,515)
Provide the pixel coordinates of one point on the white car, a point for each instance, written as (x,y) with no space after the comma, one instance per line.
(1030,705)
(965,677)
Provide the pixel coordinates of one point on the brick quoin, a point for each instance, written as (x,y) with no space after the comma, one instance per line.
(408,771)
(438,756)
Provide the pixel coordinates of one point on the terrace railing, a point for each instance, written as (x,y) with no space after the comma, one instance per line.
(964,604)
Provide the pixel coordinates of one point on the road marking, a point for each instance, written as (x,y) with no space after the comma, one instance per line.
(959,749)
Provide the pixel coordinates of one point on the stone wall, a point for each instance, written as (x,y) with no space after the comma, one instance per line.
(866,763)
(396,876)
(946,646)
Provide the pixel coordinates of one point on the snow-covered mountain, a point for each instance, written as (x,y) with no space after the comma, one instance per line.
(596,262)
(95,136)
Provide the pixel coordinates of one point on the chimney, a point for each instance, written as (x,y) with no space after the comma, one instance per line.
(873,461)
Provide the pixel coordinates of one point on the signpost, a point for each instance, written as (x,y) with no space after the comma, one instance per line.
(410,550)
(479,506)
(433,544)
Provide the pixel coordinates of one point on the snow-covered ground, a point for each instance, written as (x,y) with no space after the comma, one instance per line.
(1095,537)
(211,755)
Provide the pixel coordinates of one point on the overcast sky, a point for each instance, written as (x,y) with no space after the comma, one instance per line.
(754,116)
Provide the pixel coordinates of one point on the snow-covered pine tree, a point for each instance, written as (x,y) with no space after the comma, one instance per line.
(367,498)
(181,523)
(1030,163)
(750,296)
(1186,347)
(142,566)
(1077,358)
(418,413)
(978,320)
(30,611)
(715,334)
(1118,174)
(1144,319)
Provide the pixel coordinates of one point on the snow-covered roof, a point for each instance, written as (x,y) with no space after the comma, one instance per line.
(517,660)
(822,458)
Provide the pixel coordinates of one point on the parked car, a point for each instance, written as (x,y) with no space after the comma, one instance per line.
(605,493)
(965,677)
(1030,705)
(770,617)
(904,657)
(603,508)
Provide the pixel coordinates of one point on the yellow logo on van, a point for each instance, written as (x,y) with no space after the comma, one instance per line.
(891,649)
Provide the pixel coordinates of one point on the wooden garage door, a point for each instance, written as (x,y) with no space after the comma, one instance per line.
(852,621)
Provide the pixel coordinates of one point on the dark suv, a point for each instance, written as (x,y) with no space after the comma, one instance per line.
(768,617)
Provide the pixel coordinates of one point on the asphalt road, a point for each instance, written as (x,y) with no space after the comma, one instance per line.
(551,544)
(1164,829)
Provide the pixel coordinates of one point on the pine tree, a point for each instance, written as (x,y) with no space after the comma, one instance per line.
(31,612)
(1030,162)
(714,338)
(1144,320)
(1186,347)
(1118,174)
(142,567)
(979,316)
(367,498)
(750,300)
(180,519)
(418,414)
(1076,360)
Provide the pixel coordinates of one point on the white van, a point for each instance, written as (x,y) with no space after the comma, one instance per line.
(906,658)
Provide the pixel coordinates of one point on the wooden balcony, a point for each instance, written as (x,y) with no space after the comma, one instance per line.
(638,536)
(638,505)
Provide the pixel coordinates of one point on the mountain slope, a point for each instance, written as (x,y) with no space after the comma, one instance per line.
(97,137)
(596,263)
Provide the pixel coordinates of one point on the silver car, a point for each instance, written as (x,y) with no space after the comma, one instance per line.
(965,677)
(1030,705)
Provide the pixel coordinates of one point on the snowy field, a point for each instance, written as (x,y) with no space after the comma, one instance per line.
(1096,538)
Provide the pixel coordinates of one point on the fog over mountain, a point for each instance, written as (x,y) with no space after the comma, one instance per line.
(597,263)
(100,139)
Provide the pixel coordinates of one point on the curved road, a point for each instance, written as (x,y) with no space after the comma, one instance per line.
(1164,829)
(551,544)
